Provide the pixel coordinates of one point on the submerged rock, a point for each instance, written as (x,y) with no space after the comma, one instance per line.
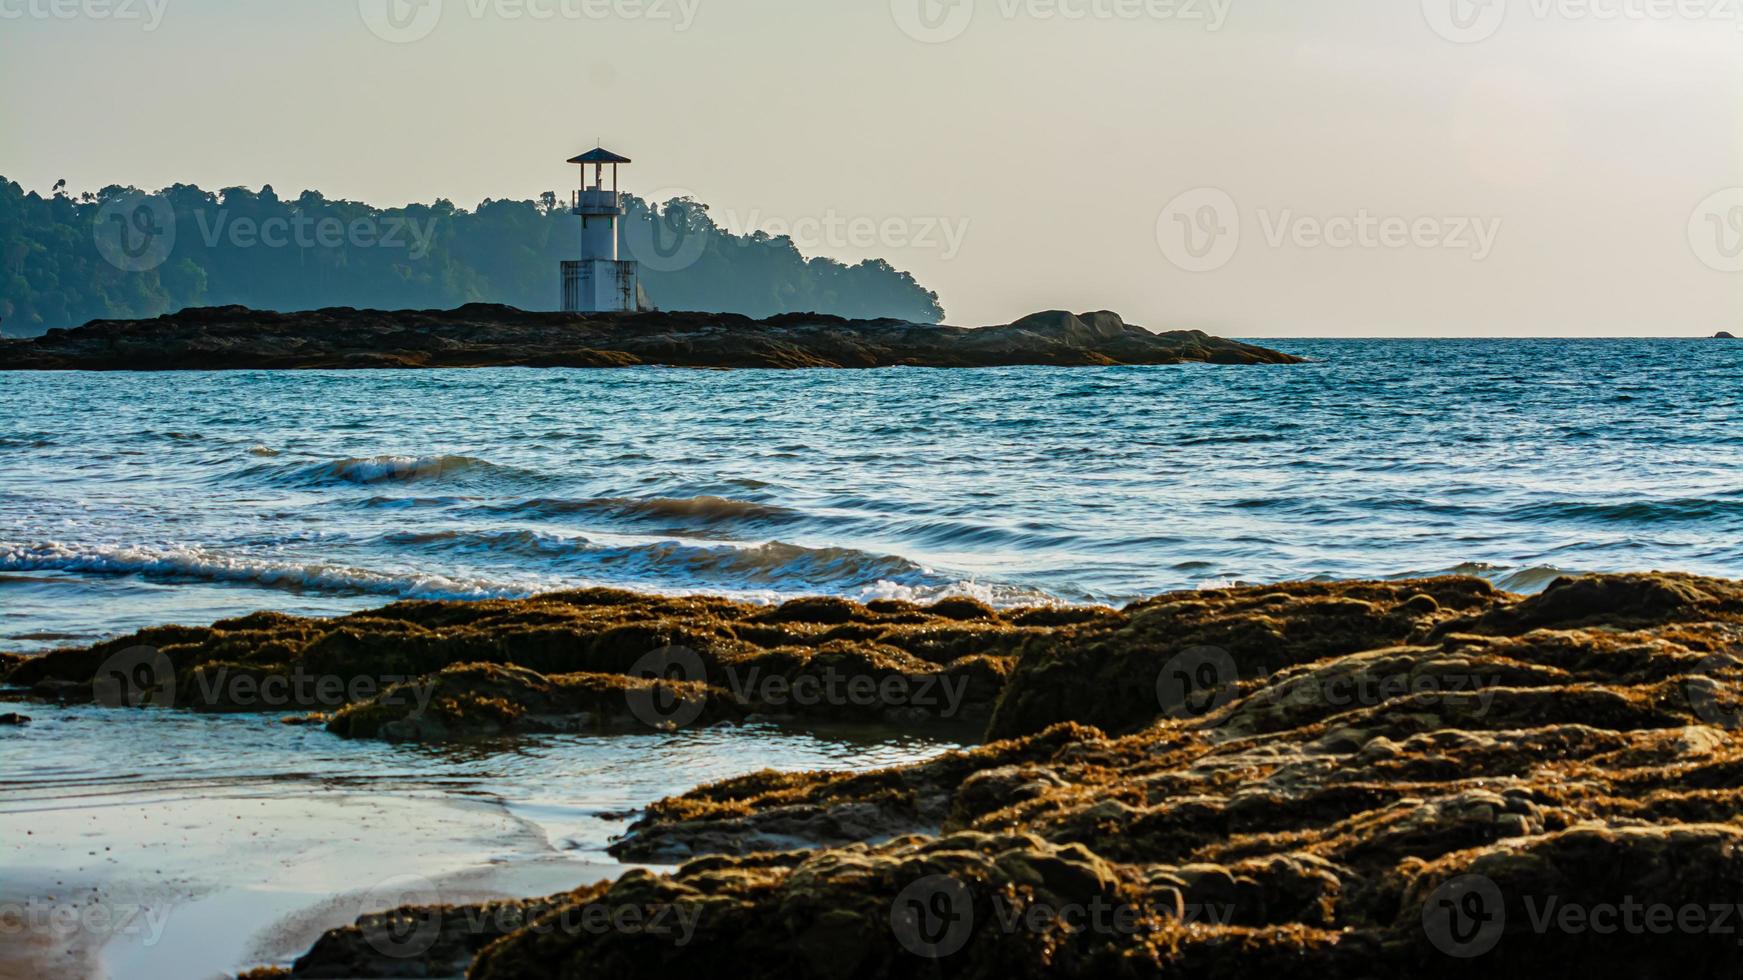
(13,718)
(481,335)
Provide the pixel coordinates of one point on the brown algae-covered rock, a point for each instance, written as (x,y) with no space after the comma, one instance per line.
(567,661)
(502,699)
(1514,786)
(1106,672)
(1335,780)
(423,941)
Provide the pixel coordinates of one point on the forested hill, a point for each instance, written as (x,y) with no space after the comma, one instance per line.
(124,254)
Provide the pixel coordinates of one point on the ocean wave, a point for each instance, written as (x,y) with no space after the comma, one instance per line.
(996,594)
(704,509)
(770,572)
(777,564)
(705,512)
(1648,511)
(370,470)
(1231,439)
(1512,578)
(772,565)
(203,565)
(406,503)
(973,535)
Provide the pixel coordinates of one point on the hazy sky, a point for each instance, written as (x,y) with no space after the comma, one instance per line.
(1251,167)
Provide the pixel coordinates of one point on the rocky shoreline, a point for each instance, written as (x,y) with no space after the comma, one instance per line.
(1328,780)
(480,335)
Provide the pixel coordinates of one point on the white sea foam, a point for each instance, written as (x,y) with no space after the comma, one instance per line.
(771,572)
(197,563)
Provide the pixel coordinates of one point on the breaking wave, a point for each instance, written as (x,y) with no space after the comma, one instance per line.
(541,562)
(370,470)
(775,565)
(199,564)
(1527,579)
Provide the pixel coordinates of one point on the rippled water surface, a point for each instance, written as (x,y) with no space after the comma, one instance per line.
(134,499)
(581,789)
(169,844)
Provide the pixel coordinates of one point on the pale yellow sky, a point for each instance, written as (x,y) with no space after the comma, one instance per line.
(1250,167)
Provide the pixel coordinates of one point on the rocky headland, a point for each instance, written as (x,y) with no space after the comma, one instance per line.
(479,335)
(1329,780)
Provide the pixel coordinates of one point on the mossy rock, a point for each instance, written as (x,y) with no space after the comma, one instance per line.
(473,700)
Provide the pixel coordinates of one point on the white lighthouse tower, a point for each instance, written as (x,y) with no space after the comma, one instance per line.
(599,282)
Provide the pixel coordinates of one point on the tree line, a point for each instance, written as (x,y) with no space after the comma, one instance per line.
(120,253)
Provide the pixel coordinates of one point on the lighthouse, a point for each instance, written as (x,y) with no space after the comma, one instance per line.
(599,282)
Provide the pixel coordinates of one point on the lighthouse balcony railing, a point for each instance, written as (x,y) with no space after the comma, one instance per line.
(595,202)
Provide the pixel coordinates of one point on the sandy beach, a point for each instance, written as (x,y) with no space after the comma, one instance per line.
(170,844)
(103,885)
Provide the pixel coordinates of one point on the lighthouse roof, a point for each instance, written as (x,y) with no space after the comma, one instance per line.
(600,155)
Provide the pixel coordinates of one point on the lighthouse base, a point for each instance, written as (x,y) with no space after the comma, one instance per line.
(600,286)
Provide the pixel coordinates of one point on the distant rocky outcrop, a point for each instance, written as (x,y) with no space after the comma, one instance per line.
(478,335)
(1724,335)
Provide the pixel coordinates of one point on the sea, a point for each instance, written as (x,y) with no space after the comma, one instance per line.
(129,500)
(175,844)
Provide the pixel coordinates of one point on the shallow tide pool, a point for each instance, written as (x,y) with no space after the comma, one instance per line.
(159,843)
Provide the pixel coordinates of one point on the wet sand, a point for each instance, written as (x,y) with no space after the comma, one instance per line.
(191,887)
(174,844)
